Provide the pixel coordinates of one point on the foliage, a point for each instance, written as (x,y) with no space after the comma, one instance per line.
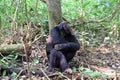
(86,10)
(36,11)
(92,74)
(73,11)
(102,24)
(9,60)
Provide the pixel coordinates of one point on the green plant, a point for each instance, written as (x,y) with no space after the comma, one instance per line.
(8,61)
(91,73)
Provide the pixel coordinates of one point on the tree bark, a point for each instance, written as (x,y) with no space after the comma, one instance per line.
(54,12)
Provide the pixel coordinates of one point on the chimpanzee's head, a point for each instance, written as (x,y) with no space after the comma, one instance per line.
(65,27)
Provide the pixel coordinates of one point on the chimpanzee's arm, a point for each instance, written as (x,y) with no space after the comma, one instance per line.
(56,36)
(71,45)
(53,38)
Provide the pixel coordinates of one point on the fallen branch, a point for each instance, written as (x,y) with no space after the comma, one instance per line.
(14,48)
(20,71)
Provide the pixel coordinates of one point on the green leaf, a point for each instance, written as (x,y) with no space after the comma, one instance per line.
(95,74)
(4,73)
(74,69)
(85,4)
(104,76)
(36,61)
(82,68)
(88,71)
(16,56)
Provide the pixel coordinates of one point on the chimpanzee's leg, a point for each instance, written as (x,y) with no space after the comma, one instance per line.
(52,59)
(63,63)
(70,55)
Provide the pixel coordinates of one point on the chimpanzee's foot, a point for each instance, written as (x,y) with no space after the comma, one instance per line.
(68,70)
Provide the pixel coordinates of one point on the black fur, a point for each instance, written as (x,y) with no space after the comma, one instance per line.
(68,45)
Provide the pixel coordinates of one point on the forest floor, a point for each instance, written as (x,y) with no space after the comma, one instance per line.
(87,61)
(103,59)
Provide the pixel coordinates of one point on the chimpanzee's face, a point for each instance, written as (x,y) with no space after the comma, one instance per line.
(67,28)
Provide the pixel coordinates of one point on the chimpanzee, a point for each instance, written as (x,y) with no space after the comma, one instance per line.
(61,47)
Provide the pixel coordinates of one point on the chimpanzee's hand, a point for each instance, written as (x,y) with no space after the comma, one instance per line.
(58,46)
(49,39)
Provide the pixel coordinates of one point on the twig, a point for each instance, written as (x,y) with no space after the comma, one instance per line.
(64,19)
(64,76)
(5,58)
(14,18)
(117,8)
(36,38)
(54,74)
(75,78)
(18,74)
(28,66)
(45,74)
(9,17)
(0,22)
(26,12)
(36,4)
(81,9)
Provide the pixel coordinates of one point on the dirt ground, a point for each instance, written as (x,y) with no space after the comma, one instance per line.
(103,59)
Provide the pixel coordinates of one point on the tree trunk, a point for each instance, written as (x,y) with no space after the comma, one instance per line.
(54,12)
